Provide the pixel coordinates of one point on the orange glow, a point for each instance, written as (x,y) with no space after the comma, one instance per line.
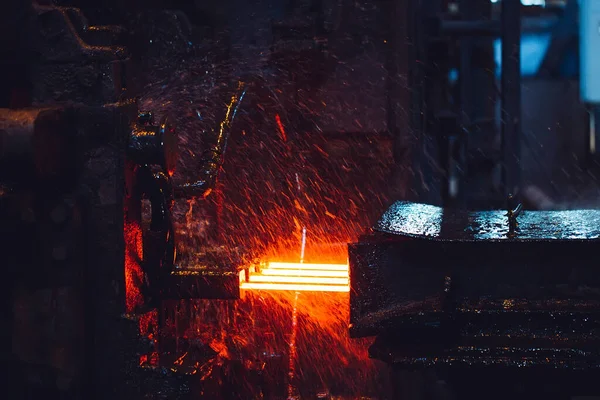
(273,185)
(325,267)
(298,277)
(281,128)
(134,275)
(293,287)
(301,272)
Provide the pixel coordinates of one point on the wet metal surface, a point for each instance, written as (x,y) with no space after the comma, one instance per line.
(212,160)
(422,220)
(447,287)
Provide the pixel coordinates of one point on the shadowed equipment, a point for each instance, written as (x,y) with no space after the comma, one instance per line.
(299,199)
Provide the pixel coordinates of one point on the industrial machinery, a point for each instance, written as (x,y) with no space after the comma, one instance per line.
(88,190)
(500,302)
(77,160)
(64,133)
(486,75)
(345,97)
(498,291)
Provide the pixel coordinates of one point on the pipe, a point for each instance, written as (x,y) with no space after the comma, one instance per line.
(36,144)
(212,159)
(511,94)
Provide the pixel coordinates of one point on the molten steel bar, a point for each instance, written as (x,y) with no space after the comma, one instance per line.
(299,266)
(294,287)
(299,277)
(301,272)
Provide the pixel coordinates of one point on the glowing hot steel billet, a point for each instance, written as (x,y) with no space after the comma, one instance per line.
(298,279)
(302,272)
(293,287)
(324,267)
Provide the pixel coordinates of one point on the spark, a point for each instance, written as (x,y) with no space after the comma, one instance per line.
(281,128)
(261,185)
(292,361)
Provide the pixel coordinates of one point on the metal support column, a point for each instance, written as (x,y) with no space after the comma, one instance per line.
(511,93)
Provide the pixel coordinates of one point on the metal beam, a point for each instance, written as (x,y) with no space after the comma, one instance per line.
(511,93)
(564,34)
(492,28)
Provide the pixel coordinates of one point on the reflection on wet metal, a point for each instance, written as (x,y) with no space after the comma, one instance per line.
(212,159)
(412,219)
(488,225)
(473,356)
(479,289)
(420,220)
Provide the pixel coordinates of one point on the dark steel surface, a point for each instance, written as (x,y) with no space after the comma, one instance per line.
(212,273)
(452,288)
(71,115)
(151,144)
(212,158)
(203,282)
(61,271)
(67,68)
(436,223)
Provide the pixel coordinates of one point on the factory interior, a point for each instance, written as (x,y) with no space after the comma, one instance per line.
(299,199)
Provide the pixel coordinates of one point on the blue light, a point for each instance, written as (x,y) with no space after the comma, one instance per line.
(533,50)
(528,2)
(589,41)
(453,75)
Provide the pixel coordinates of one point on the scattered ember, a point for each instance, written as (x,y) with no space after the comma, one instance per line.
(281,129)
(212,339)
(281,174)
(134,275)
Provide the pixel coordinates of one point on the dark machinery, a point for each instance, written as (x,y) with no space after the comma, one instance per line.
(87,188)
(64,135)
(455,123)
(76,160)
(479,108)
(500,304)
(497,291)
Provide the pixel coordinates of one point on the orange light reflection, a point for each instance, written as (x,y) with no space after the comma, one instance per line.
(293,287)
(325,267)
(302,272)
(298,277)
